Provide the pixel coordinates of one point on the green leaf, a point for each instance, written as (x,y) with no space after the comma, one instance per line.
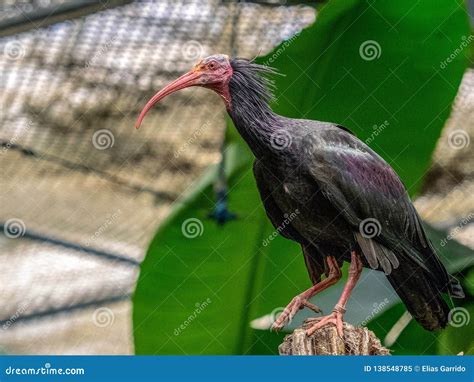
(380,69)
(455,338)
(412,340)
(458,336)
(469,282)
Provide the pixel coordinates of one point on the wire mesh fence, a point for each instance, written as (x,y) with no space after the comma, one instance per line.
(83,192)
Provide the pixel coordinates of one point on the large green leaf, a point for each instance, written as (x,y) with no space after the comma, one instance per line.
(458,336)
(194,294)
(380,69)
(229,272)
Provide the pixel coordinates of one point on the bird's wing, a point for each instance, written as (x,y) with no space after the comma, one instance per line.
(370,196)
(313,259)
(272,210)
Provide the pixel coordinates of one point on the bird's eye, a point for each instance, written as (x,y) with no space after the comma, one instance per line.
(212,65)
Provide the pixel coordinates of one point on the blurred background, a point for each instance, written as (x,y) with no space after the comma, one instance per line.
(84,194)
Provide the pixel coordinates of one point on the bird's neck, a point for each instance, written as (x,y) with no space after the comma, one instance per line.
(254,120)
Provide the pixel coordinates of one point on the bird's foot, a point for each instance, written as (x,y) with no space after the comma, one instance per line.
(335,318)
(291,309)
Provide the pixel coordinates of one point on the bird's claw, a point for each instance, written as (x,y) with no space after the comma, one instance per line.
(290,311)
(313,307)
(335,318)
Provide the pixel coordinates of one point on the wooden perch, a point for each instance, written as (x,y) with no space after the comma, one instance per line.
(357,341)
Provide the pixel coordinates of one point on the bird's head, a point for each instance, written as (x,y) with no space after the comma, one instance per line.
(213,72)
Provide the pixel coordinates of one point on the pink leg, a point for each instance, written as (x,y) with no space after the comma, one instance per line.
(335,317)
(301,301)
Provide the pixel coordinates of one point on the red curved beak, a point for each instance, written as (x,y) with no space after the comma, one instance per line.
(186,80)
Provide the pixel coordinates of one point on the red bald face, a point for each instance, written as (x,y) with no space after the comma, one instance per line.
(213,72)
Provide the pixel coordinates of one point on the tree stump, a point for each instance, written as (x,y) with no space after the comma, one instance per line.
(325,341)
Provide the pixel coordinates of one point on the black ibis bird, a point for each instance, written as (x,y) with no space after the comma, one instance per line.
(346,202)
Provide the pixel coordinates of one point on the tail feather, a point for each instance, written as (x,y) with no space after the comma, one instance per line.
(455,288)
(420,295)
(441,278)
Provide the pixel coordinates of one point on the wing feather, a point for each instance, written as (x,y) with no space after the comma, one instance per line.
(361,185)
